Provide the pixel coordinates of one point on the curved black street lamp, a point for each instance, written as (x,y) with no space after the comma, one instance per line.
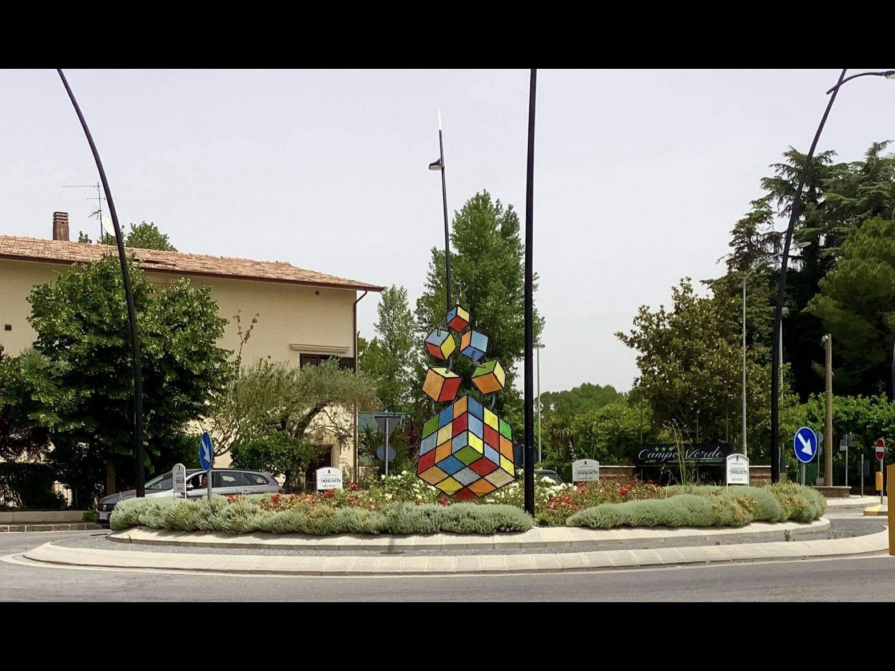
(781,285)
(129,295)
(529,303)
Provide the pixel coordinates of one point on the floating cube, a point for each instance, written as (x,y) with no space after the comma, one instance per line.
(441,385)
(458,319)
(490,377)
(473,344)
(466,451)
(441,344)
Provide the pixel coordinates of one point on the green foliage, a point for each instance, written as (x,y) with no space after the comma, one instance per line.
(89,517)
(487,264)
(307,406)
(388,358)
(709,507)
(579,400)
(82,377)
(247,515)
(141,236)
(278,454)
(21,436)
(690,361)
(28,486)
(857,305)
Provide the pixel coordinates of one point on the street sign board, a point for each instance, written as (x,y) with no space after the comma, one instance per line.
(585,470)
(178,475)
(388,421)
(880,448)
(737,469)
(804,443)
(206,452)
(384,451)
(329,478)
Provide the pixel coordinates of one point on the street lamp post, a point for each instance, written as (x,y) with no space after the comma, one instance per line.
(529,299)
(439,166)
(778,310)
(129,295)
(539,347)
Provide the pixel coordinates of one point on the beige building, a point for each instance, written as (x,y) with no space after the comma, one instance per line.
(303,316)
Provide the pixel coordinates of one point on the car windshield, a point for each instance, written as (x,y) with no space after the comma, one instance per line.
(161,483)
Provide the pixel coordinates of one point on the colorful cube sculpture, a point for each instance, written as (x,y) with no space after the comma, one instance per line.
(490,377)
(473,344)
(466,451)
(458,319)
(441,344)
(441,385)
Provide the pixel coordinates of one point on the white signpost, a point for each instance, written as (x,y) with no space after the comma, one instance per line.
(178,474)
(329,478)
(737,469)
(585,470)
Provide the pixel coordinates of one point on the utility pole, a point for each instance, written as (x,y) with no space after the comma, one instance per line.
(828,424)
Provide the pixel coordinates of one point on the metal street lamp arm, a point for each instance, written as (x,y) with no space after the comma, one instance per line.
(889,74)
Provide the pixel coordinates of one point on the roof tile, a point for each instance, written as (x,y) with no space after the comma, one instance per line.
(58,251)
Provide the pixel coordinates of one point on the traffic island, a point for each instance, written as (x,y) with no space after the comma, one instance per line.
(345,564)
(837,492)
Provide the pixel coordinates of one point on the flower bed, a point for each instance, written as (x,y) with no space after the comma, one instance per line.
(403,504)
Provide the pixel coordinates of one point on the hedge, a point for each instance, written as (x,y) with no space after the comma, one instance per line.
(244,515)
(29,486)
(709,507)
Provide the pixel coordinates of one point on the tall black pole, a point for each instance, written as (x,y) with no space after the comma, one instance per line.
(447,231)
(131,312)
(781,286)
(529,304)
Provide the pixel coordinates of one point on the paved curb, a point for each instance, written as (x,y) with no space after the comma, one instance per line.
(461,564)
(876,511)
(852,502)
(19,528)
(548,538)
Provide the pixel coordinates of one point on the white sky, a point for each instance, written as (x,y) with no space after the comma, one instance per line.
(639,174)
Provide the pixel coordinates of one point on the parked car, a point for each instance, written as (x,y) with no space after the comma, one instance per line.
(224,481)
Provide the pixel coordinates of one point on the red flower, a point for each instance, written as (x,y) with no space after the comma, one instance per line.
(328,494)
(352,485)
(445,502)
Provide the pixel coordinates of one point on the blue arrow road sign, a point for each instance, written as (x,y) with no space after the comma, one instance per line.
(206,452)
(805,444)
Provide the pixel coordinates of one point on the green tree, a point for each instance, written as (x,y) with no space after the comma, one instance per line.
(85,389)
(21,436)
(388,358)
(141,236)
(487,265)
(857,305)
(305,409)
(612,433)
(583,398)
(690,362)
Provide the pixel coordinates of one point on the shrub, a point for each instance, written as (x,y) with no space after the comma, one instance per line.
(29,485)
(254,513)
(701,506)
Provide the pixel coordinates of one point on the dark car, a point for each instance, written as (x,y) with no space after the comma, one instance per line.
(224,481)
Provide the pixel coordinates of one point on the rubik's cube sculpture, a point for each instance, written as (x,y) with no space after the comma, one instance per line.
(466,450)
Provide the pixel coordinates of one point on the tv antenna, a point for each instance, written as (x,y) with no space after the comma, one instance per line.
(105,221)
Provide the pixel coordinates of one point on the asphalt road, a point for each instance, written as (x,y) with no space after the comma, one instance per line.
(862,579)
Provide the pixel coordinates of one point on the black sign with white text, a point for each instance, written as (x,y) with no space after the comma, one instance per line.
(658,455)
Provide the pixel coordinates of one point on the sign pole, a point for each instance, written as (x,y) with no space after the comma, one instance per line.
(862,474)
(882,489)
(890,513)
(386,447)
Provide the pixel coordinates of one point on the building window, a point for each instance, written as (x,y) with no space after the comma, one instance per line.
(317,359)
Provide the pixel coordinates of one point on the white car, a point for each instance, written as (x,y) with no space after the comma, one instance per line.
(224,481)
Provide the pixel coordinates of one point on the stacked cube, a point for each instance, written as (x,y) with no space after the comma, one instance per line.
(467,451)
(441,385)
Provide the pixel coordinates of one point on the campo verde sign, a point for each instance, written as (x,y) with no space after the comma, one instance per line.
(702,455)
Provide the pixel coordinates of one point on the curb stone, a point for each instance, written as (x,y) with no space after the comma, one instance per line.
(461,564)
(565,538)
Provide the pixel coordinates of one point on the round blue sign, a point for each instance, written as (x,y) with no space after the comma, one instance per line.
(805,444)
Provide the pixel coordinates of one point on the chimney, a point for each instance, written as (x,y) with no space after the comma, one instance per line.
(60,226)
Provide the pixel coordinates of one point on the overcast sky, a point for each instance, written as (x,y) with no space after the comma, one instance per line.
(639,174)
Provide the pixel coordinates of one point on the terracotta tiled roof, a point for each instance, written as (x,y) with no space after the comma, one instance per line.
(57,251)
